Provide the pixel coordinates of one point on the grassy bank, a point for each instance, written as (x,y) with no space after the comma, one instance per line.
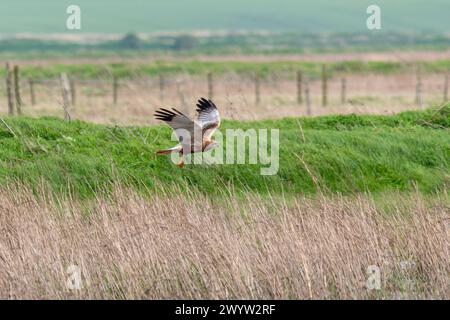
(334,154)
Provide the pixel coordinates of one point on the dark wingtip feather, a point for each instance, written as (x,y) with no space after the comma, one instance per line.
(164,114)
(178,111)
(205,104)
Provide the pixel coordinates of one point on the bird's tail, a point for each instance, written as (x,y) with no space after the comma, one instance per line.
(168,151)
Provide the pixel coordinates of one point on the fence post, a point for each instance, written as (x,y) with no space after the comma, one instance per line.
(308,99)
(65,91)
(324,85)
(161,87)
(73,91)
(115,89)
(419,98)
(343,90)
(257,89)
(299,87)
(32,94)
(210,85)
(181,93)
(17,90)
(9,93)
(446,88)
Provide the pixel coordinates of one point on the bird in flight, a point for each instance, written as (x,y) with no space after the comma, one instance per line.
(193,135)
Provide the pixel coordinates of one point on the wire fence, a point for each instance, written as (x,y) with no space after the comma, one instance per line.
(277,94)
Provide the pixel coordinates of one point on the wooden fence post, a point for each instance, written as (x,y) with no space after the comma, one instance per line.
(115,89)
(324,85)
(419,98)
(161,87)
(343,90)
(308,99)
(446,88)
(181,93)
(299,88)
(65,91)
(210,85)
(32,94)
(17,90)
(9,93)
(257,89)
(73,92)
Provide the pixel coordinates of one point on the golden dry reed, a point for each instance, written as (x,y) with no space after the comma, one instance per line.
(124,246)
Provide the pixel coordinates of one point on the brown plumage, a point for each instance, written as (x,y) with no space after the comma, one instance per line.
(194,136)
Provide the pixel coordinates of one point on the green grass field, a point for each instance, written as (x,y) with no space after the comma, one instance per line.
(190,44)
(346,154)
(153,69)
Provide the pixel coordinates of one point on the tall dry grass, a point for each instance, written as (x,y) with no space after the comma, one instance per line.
(186,246)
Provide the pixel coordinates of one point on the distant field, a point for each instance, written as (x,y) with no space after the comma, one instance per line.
(45,46)
(33,29)
(344,154)
(130,69)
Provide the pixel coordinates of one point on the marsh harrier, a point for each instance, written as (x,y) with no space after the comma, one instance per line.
(194,135)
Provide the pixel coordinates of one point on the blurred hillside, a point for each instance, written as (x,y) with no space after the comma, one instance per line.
(132,44)
(207,27)
(116,16)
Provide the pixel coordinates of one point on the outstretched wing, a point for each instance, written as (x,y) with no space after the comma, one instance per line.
(208,117)
(179,122)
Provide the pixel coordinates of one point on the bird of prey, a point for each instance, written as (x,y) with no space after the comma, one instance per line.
(193,135)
